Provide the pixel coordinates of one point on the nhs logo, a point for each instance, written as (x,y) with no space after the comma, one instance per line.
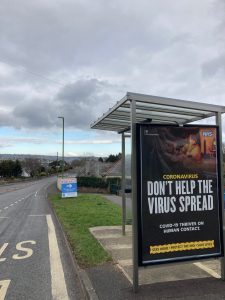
(207,133)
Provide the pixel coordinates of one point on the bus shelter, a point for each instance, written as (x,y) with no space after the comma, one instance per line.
(135,109)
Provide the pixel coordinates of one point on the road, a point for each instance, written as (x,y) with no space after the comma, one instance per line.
(34,261)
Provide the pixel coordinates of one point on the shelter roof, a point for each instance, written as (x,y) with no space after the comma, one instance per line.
(154,109)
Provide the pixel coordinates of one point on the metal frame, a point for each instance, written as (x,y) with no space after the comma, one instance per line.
(123,186)
(158,109)
(136,108)
(221,184)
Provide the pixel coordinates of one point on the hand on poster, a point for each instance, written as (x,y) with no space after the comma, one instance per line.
(189,150)
(192,148)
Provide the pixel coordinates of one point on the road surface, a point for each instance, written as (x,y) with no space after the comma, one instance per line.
(34,261)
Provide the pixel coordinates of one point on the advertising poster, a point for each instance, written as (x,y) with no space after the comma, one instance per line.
(179,213)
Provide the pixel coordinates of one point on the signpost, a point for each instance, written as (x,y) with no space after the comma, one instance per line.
(69,187)
(179,207)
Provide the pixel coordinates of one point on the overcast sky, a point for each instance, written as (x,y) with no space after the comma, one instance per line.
(76,58)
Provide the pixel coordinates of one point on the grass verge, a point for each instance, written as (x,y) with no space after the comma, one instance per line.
(77,215)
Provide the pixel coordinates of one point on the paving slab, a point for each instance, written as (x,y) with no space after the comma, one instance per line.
(109,283)
(186,281)
(120,248)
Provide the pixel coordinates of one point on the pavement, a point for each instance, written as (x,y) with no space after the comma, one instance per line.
(192,280)
(118,200)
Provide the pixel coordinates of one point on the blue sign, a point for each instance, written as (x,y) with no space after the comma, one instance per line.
(69,187)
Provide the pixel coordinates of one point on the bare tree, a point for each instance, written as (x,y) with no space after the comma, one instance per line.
(32,165)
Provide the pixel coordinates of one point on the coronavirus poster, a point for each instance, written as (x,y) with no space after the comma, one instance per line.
(179,209)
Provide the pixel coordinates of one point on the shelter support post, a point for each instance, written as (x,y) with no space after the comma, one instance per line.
(134,196)
(123,187)
(219,124)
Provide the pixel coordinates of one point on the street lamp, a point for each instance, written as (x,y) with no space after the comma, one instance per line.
(62,146)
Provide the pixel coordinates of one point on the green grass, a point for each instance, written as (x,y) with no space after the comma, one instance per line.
(77,215)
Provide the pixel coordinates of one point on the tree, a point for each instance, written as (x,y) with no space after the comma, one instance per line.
(32,165)
(78,162)
(113,158)
(100,159)
(17,170)
(54,163)
(10,168)
(41,169)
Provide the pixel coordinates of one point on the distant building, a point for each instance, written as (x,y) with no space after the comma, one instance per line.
(115,170)
(25,173)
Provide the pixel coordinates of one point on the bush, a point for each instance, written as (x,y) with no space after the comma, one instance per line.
(114,180)
(10,168)
(113,184)
(43,174)
(92,181)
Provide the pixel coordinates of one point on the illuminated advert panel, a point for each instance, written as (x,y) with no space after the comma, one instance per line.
(179,206)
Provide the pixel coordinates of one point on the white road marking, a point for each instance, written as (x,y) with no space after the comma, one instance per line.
(36,215)
(116,228)
(106,235)
(125,262)
(125,273)
(16,202)
(4,217)
(23,198)
(35,194)
(4,287)
(28,251)
(59,290)
(6,207)
(118,247)
(11,204)
(208,270)
(2,249)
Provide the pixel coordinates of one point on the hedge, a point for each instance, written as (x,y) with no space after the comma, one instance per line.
(92,181)
(96,182)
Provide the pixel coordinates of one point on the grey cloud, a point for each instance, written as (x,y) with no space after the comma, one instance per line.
(80,103)
(214,66)
(112,38)
(28,113)
(34,114)
(26,140)
(149,47)
(12,95)
(82,90)
(47,35)
(6,119)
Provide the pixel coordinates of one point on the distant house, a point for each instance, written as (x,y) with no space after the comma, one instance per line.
(96,168)
(93,168)
(25,173)
(115,170)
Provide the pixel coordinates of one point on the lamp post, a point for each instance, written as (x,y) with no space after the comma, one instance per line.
(62,146)
(57,162)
